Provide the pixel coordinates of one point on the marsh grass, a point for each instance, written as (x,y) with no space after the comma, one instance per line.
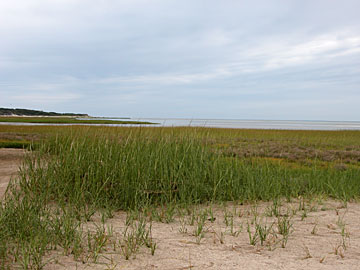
(81,171)
(137,233)
(138,169)
(15,144)
(285,228)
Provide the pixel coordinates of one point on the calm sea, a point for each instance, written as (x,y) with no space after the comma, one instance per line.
(228,123)
(258,124)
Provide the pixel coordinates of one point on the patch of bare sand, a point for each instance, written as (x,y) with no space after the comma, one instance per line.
(317,241)
(10,160)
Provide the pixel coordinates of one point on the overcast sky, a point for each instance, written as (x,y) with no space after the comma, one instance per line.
(258,59)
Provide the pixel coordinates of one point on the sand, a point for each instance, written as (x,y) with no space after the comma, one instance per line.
(327,238)
(307,248)
(10,160)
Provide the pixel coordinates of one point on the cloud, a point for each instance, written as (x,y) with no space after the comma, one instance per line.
(38,95)
(319,49)
(47,98)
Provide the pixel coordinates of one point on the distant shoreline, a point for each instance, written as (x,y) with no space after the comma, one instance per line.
(27,112)
(27,116)
(65,120)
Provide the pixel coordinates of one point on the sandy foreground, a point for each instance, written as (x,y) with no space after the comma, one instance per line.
(327,237)
(10,160)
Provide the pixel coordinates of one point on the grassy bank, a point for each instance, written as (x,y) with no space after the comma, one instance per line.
(15,144)
(77,172)
(64,120)
(143,167)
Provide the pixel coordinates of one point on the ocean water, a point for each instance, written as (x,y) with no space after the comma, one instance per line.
(255,124)
(232,123)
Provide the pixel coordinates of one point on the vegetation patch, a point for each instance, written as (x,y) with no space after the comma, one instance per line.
(77,173)
(14,144)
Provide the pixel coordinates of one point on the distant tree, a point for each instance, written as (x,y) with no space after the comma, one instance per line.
(27,112)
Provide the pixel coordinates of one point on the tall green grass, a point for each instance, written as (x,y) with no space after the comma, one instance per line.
(139,168)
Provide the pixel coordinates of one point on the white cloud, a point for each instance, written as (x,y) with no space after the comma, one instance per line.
(280,52)
(320,48)
(167,79)
(41,98)
(40,94)
(266,57)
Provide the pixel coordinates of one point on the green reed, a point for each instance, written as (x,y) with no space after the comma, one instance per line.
(137,169)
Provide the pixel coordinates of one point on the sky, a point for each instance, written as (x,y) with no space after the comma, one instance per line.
(258,59)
